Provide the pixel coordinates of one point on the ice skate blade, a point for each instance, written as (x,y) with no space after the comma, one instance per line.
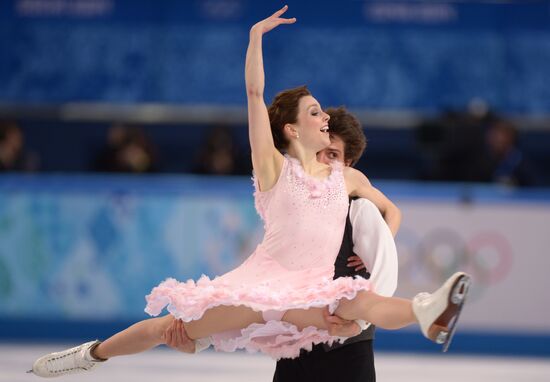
(459,293)
(438,334)
(443,328)
(460,289)
(441,337)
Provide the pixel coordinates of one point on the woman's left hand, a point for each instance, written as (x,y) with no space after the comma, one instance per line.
(273,21)
(355,261)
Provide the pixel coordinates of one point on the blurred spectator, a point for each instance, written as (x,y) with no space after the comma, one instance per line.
(13,156)
(128,150)
(509,165)
(219,155)
(453,148)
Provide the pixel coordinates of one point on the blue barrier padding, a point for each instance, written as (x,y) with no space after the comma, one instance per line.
(142,184)
(242,185)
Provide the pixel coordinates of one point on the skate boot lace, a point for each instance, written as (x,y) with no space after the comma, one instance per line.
(59,364)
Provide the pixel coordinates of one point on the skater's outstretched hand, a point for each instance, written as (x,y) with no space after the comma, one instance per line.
(272,21)
(177,338)
(339,327)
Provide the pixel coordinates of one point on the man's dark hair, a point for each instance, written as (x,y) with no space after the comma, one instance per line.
(347,127)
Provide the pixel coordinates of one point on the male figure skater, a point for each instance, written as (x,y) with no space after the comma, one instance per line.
(367,242)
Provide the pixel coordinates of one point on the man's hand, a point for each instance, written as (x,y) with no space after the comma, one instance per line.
(355,261)
(339,327)
(176,338)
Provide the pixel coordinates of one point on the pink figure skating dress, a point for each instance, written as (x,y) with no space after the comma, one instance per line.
(292,268)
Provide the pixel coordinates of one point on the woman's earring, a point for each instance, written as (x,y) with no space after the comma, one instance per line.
(297,136)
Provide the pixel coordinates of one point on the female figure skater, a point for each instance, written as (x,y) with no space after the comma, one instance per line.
(274,301)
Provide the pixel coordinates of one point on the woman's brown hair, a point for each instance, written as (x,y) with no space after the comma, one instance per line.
(283,110)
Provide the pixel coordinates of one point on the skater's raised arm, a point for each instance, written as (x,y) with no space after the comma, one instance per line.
(266,159)
(359,185)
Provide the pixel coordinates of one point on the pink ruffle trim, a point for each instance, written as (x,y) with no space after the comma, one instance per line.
(316,187)
(278,339)
(189,300)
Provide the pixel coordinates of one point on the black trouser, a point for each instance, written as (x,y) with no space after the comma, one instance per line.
(350,363)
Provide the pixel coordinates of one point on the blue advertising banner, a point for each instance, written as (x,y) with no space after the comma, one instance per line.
(92,249)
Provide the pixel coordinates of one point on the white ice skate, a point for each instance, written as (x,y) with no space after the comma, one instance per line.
(438,312)
(70,361)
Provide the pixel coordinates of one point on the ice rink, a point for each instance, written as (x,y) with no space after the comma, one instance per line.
(167,366)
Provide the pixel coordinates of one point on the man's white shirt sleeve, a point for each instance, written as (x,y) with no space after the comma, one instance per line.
(373,242)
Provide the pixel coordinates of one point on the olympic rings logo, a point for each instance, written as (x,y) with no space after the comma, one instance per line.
(430,259)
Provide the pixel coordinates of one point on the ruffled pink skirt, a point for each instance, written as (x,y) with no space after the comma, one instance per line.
(261,284)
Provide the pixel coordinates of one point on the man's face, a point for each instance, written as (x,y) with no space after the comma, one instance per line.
(335,151)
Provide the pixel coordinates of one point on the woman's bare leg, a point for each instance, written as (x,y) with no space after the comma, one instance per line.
(436,312)
(304,318)
(385,312)
(139,337)
(222,318)
(148,334)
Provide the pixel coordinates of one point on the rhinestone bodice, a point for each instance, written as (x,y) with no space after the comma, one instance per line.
(304,217)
